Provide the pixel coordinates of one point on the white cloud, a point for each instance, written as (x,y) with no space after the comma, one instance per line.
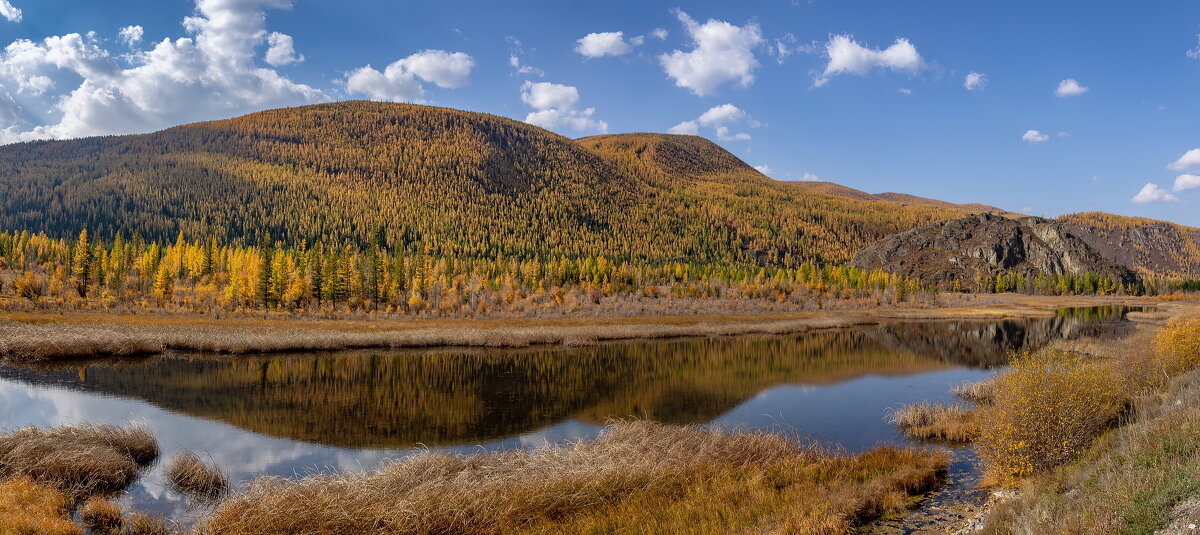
(1152,193)
(718,118)
(281,50)
(516,53)
(846,56)
(212,70)
(905,90)
(723,52)
(1070,88)
(598,45)
(1186,182)
(1033,136)
(1190,159)
(659,33)
(764,169)
(9,12)
(130,35)
(975,81)
(555,108)
(1194,53)
(809,177)
(401,81)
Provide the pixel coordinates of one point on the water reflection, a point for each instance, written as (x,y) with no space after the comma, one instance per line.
(281,415)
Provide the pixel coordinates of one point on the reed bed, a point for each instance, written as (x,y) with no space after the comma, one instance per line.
(79,460)
(637,477)
(196,477)
(938,421)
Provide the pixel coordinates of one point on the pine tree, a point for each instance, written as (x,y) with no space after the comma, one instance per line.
(81,264)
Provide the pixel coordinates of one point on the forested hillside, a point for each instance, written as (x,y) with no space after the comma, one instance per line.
(441,182)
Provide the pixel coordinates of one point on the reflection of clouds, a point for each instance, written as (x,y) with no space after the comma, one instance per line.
(243,454)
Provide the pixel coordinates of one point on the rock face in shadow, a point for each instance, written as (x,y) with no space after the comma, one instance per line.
(963,249)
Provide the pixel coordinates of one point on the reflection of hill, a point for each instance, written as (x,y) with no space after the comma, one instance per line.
(398,399)
(986,344)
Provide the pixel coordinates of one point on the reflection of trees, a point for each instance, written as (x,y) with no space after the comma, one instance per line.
(398,399)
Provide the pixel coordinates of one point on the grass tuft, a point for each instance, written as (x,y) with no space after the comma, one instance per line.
(27,508)
(191,475)
(100,515)
(80,460)
(937,421)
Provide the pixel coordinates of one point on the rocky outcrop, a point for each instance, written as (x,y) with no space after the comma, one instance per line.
(966,248)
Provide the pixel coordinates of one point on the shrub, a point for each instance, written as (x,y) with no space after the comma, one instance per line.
(979,392)
(1177,346)
(189,474)
(1046,411)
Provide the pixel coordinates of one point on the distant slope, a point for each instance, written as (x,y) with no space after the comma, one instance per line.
(839,190)
(979,247)
(451,182)
(1147,245)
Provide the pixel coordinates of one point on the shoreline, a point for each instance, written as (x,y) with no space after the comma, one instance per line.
(28,336)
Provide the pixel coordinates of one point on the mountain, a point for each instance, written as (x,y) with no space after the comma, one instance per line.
(839,190)
(982,246)
(1147,245)
(450,182)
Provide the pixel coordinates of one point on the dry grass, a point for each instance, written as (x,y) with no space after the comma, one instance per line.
(100,515)
(28,342)
(937,421)
(191,475)
(27,508)
(143,524)
(638,477)
(979,392)
(80,460)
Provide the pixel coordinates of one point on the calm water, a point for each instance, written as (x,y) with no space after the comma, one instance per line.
(295,414)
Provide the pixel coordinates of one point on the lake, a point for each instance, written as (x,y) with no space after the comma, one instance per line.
(294,414)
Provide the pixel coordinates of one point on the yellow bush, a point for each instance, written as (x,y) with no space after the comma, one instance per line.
(1177,346)
(1047,410)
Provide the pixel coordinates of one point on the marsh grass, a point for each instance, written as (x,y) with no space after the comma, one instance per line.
(78,460)
(637,477)
(144,524)
(196,477)
(100,515)
(27,508)
(937,421)
(30,342)
(33,342)
(979,392)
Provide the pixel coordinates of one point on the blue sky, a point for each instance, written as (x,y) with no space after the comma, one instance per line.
(868,94)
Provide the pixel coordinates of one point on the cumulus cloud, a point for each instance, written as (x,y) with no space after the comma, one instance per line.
(281,50)
(401,81)
(905,91)
(1193,53)
(847,56)
(1033,136)
(659,33)
(212,70)
(1070,88)
(598,45)
(1151,193)
(9,12)
(1189,160)
(130,35)
(722,53)
(1186,182)
(809,177)
(719,119)
(975,81)
(764,169)
(554,106)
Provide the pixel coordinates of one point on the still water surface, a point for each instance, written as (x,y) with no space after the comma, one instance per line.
(295,414)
